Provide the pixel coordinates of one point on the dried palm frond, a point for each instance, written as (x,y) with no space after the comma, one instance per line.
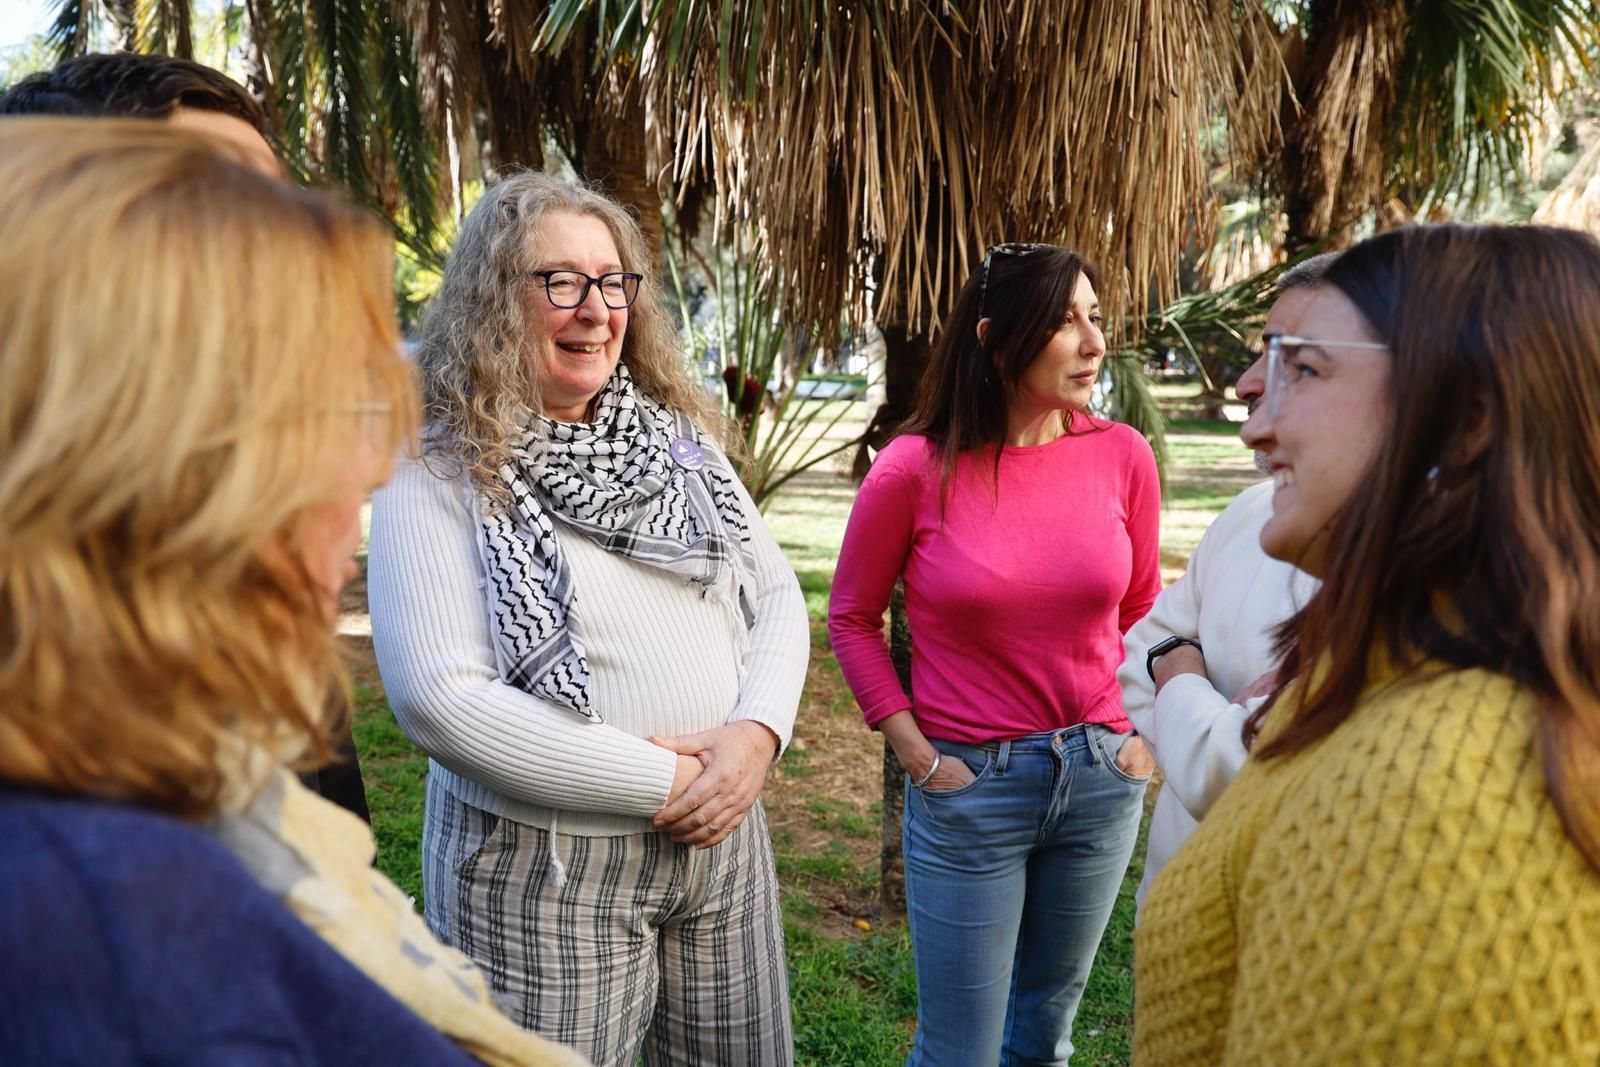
(1420,100)
(1479,76)
(1333,163)
(1575,203)
(898,138)
(1248,240)
(165,26)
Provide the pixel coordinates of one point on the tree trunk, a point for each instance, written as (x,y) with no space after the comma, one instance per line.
(905,358)
(1347,82)
(891,861)
(1213,384)
(511,120)
(614,157)
(257,69)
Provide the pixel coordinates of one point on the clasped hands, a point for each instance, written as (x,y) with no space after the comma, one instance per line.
(720,774)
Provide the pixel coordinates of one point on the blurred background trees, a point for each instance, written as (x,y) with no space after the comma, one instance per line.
(863,153)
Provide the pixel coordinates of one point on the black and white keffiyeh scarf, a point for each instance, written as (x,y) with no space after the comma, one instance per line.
(635,481)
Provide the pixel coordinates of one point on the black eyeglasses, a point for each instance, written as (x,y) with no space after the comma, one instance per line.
(1010,248)
(569,288)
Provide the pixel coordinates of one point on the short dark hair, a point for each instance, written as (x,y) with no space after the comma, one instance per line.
(129,85)
(1305,274)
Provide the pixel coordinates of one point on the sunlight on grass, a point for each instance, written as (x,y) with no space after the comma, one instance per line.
(853,989)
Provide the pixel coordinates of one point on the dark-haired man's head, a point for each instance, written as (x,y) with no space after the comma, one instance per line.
(129,85)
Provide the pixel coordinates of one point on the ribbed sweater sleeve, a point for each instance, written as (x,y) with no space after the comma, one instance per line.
(430,628)
(1194,731)
(877,541)
(774,671)
(1144,533)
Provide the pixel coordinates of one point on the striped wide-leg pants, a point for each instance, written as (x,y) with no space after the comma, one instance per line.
(645,946)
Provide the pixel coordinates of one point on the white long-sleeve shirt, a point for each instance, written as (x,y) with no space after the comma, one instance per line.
(1230,599)
(663,660)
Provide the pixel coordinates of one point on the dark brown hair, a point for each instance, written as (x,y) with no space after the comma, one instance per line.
(1475,541)
(129,85)
(962,400)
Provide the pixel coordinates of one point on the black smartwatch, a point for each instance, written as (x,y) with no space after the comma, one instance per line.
(1161,648)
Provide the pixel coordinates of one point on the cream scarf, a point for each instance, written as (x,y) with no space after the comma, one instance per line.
(317,858)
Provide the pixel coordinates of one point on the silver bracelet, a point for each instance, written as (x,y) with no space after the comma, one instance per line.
(926,778)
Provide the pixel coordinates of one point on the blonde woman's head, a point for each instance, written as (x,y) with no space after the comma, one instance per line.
(201,382)
(487,355)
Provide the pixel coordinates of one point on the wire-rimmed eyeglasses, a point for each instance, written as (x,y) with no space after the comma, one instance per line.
(569,288)
(1282,375)
(1010,248)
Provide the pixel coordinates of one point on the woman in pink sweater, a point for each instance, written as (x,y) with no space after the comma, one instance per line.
(1025,531)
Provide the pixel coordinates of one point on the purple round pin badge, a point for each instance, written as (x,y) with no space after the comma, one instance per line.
(686,453)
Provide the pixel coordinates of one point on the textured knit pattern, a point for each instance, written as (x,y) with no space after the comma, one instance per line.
(665,657)
(644,945)
(1402,893)
(1017,594)
(634,481)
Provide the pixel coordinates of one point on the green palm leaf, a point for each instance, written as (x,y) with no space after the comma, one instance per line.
(404,128)
(75,27)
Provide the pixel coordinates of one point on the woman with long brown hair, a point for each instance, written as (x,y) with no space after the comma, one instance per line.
(1025,531)
(1406,871)
(200,382)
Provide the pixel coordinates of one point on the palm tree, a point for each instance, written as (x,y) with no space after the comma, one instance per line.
(879,147)
(1396,103)
(875,147)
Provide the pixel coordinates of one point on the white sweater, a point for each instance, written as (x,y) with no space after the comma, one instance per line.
(1230,599)
(663,660)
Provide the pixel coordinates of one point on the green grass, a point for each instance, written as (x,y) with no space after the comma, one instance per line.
(1211,427)
(853,991)
(394,773)
(841,817)
(854,999)
(853,995)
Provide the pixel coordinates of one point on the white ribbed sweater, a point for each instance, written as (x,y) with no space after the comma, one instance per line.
(663,660)
(1230,599)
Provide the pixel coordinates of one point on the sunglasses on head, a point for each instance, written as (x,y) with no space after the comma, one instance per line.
(1009,248)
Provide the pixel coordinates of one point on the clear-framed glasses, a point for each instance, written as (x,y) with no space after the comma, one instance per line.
(375,418)
(1284,368)
(569,288)
(1010,248)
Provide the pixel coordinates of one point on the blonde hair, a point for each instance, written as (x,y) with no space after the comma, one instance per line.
(191,352)
(478,383)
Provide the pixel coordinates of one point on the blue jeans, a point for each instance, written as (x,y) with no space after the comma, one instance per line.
(1009,882)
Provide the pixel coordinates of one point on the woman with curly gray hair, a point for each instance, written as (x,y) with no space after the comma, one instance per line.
(581,618)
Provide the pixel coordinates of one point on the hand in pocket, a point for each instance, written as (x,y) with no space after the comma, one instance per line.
(1134,758)
(953,773)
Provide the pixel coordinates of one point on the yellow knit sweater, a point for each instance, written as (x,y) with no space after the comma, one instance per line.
(1401,893)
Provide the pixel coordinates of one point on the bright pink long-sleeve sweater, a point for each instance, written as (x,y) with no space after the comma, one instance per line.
(1018,604)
